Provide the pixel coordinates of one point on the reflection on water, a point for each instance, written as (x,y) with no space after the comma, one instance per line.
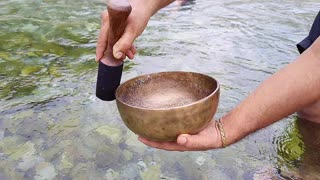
(53,127)
(311,137)
(290,146)
(298,150)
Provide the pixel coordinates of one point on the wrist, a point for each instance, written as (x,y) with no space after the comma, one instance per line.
(150,7)
(234,128)
(218,143)
(221,134)
(145,9)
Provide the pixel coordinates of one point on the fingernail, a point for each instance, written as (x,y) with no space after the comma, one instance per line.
(183,140)
(118,55)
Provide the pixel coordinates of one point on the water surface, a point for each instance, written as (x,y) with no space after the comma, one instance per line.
(53,127)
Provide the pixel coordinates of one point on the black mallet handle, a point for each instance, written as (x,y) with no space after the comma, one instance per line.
(110,68)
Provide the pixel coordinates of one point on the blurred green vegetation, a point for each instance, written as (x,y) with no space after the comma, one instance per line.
(290,146)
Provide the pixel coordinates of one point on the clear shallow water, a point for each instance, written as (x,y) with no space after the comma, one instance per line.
(53,127)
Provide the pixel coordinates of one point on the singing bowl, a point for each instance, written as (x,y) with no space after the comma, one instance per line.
(161,106)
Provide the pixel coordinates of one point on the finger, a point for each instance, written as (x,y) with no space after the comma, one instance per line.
(124,43)
(104,17)
(130,54)
(102,42)
(196,142)
(133,49)
(103,37)
(169,146)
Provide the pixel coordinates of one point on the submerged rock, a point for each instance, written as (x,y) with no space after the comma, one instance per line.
(112,175)
(130,171)
(24,153)
(4,57)
(31,128)
(114,134)
(7,170)
(128,155)
(181,165)
(24,114)
(1,135)
(54,71)
(200,160)
(51,153)
(85,171)
(29,161)
(164,177)
(45,171)
(66,161)
(30,70)
(15,149)
(266,172)
(142,165)
(134,144)
(153,171)
(109,156)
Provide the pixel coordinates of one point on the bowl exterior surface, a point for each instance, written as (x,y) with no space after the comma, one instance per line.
(167,124)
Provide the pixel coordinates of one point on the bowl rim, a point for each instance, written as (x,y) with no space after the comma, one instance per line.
(171,108)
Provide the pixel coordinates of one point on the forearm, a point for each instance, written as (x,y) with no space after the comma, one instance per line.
(284,93)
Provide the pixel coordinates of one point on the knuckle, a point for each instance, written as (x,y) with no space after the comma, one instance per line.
(126,45)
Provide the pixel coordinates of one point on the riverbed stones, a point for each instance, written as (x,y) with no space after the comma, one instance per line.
(15,148)
(45,171)
(108,156)
(128,155)
(28,162)
(134,144)
(130,171)
(142,165)
(152,171)
(114,134)
(29,70)
(1,135)
(66,161)
(84,171)
(200,160)
(51,153)
(25,154)
(24,114)
(112,175)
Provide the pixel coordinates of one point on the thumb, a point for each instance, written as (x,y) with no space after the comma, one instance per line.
(195,142)
(123,44)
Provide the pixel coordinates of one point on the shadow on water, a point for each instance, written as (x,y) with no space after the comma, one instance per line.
(310,133)
(298,150)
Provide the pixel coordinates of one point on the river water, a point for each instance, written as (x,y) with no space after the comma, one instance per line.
(53,127)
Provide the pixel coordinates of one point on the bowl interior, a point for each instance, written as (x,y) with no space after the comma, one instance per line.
(166,89)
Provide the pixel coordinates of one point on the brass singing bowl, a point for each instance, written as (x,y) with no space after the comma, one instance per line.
(163,105)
